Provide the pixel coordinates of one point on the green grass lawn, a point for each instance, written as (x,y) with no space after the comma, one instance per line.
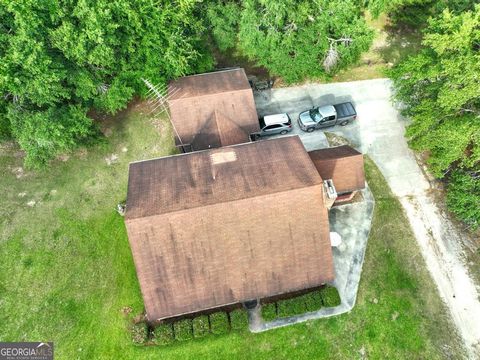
(66,271)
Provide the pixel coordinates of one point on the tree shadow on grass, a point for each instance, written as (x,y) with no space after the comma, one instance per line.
(400,43)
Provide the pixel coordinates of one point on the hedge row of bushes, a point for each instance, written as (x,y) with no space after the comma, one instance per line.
(222,322)
(186,329)
(325,297)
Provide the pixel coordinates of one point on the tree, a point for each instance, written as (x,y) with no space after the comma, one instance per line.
(463,196)
(377,7)
(294,39)
(416,12)
(440,93)
(223,18)
(58,59)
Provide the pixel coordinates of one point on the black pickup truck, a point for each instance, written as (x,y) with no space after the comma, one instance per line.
(325,116)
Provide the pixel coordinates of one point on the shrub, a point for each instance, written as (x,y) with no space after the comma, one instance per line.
(183,329)
(463,197)
(313,300)
(219,323)
(163,334)
(269,312)
(238,319)
(330,296)
(200,326)
(139,333)
(290,307)
(45,134)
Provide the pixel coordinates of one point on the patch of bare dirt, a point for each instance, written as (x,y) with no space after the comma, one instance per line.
(7,147)
(336,140)
(18,172)
(159,123)
(63,157)
(112,159)
(127,310)
(107,131)
(82,153)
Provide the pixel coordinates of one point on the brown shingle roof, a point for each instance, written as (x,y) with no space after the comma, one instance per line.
(220,175)
(342,164)
(223,226)
(210,83)
(220,101)
(208,136)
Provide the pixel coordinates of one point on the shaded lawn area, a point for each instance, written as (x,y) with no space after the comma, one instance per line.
(67,275)
(390,45)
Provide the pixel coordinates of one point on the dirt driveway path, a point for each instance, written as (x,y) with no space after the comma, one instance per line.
(379,132)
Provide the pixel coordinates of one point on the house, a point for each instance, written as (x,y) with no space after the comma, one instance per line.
(212,110)
(223,226)
(343,165)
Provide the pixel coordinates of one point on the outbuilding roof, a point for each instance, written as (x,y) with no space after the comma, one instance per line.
(342,164)
(218,108)
(222,226)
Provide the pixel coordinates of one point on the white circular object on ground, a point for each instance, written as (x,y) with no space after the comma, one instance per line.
(335,239)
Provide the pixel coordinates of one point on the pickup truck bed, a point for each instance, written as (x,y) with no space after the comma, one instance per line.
(345,110)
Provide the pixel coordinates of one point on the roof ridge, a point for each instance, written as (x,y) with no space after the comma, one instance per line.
(188,96)
(227,201)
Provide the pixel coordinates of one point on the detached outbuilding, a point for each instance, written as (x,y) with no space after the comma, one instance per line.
(343,165)
(219,227)
(212,110)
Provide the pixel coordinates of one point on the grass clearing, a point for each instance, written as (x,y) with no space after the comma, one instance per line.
(390,45)
(67,275)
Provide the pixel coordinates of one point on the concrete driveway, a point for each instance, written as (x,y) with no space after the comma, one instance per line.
(379,132)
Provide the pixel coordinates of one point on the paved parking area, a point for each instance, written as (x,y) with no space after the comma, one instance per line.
(377,131)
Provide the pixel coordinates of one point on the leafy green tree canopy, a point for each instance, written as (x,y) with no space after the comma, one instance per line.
(415,13)
(223,18)
(58,59)
(293,39)
(440,92)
